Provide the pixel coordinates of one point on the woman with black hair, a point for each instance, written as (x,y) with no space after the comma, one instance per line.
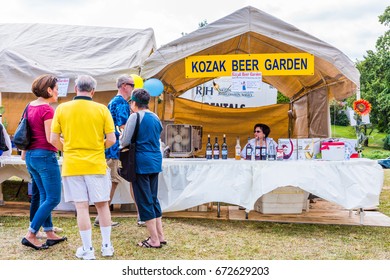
(261,132)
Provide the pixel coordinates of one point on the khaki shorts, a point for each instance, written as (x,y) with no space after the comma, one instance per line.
(92,188)
(113,164)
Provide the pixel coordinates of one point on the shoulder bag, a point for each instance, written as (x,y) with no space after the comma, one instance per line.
(22,136)
(127,157)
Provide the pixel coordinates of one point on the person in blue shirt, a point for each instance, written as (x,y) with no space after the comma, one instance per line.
(148,165)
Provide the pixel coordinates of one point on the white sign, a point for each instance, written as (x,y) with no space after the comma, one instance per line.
(219,92)
(246,81)
(351,117)
(63,84)
(366,119)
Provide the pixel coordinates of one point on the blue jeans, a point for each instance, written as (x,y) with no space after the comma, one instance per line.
(35,199)
(44,169)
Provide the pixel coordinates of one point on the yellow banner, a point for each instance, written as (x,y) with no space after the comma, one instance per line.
(270,64)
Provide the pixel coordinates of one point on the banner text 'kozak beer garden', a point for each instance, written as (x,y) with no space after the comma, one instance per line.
(275,64)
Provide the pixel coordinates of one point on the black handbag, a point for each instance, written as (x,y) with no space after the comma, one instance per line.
(22,136)
(127,157)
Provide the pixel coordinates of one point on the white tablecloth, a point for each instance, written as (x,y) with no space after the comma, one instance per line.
(185,183)
(356,183)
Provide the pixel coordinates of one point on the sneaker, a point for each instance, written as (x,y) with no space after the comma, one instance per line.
(141,223)
(107,250)
(85,254)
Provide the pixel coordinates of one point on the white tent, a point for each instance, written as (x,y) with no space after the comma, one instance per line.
(251,31)
(29,50)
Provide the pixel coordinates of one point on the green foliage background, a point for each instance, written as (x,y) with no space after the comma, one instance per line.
(375,77)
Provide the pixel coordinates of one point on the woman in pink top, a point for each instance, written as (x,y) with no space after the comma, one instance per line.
(41,161)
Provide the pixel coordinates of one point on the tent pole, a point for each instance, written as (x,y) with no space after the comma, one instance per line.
(163,106)
(290,120)
(357,94)
(155,105)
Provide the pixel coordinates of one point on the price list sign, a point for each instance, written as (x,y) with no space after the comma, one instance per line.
(63,84)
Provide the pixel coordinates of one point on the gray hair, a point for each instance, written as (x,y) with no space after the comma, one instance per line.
(123,79)
(85,83)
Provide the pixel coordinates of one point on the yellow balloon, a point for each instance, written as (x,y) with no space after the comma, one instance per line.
(138,82)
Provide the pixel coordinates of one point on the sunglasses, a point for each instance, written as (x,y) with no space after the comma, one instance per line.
(257,131)
(132,85)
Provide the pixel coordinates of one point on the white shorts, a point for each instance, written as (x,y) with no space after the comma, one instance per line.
(91,188)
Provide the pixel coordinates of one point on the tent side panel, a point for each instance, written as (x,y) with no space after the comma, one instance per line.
(319,113)
(312,115)
(301,118)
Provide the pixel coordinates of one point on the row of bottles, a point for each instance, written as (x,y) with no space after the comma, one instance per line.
(212,152)
(261,152)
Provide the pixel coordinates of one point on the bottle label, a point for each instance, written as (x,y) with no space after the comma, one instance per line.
(279,154)
(224,154)
(248,153)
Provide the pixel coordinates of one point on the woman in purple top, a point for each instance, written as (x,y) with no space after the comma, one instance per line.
(41,161)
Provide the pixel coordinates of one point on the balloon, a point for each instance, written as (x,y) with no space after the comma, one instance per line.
(154,86)
(138,82)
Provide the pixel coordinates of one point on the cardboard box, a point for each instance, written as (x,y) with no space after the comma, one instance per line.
(283,200)
(333,150)
(351,144)
(308,148)
(289,148)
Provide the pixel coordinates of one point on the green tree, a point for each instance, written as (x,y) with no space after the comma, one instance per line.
(338,114)
(282,99)
(203,23)
(375,77)
(200,25)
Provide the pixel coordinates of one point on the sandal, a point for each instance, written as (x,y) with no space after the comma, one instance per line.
(145,244)
(161,242)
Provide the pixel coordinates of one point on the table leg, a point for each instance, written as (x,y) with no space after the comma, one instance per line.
(1,195)
(362,216)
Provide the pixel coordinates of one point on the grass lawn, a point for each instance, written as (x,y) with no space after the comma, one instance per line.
(198,239)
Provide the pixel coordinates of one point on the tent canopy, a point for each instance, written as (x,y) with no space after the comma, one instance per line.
(251,31)
(29,50)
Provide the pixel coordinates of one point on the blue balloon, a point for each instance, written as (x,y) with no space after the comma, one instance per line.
(154,86)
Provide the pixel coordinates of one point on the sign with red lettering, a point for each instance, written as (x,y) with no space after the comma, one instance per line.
(63,84)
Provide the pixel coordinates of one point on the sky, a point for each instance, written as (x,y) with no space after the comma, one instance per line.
(352,26)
